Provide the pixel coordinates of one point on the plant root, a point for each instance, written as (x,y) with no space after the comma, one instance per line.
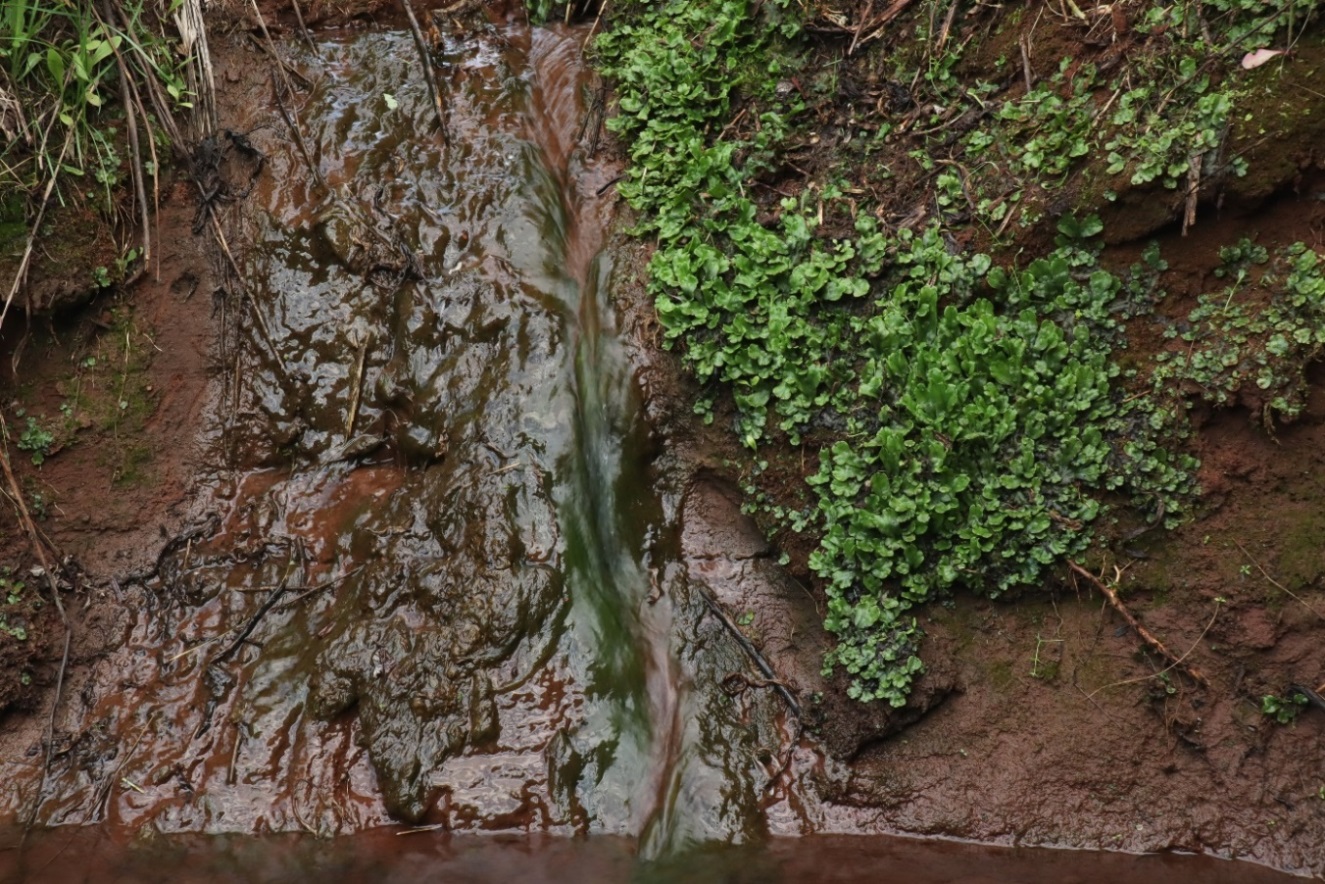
(1144,634)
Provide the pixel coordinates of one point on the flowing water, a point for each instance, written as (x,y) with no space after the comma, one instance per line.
(436,577)
(435,503)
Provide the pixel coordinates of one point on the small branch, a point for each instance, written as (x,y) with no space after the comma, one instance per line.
(753,653)
(422,46)
(324,585)
(1026,64)
(1274,582)
(602,7)
(1193,191)
(356,391)
(1128,681)
(303,28)
(876,25)
(1144,634)
(21,275)
(256,618)
(239,281)
(135,150)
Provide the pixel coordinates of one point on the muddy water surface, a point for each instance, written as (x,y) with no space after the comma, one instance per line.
(433,582)
(437,578)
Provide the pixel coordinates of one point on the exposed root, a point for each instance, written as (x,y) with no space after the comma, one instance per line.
(428,78)
(753,653)
(1144,634)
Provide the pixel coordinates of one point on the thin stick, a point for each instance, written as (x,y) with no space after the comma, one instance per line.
(21,274)
(239,281)
(356,393)
(421,829)
(325,584)
(865,9)
(753,653)
(422,46)
(292,120)
(193,650)
(156,176)
(115,774)
(947,25)
(1193,191)
(303,28)
(878,24)
(1026,64)
(1118,684)
(256,618)
(135,150)
(1274,582)
(1144,634)
(594,27)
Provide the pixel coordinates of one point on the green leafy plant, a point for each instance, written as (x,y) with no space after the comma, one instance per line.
(966,415)
(1284,710)
(1158,135)
(1254,339)
(36,440)
(12,624)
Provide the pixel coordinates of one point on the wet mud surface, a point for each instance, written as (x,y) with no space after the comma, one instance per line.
(427,577)
(426,533)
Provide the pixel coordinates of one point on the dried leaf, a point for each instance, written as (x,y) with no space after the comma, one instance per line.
(1259,57)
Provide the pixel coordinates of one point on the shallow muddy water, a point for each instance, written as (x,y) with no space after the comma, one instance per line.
(86,855)
(437,573)
(434,506)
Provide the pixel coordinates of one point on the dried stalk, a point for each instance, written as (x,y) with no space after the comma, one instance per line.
(1144,634)
(428,78)
(135,149)
(303,28)
(356,393)
(21,274)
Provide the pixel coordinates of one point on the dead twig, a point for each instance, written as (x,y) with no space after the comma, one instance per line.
(256,618)
(239,281)
(1144,634)
(428,78)
(1199,639)
(1276,583)
(1193,191)
(877,25)
(594,27)
(21,274)
(356,390)
(753,653)
(135,150)
(303,28)
(324,585)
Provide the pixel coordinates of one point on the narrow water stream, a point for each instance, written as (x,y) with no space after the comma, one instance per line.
(437,577)
(434,503)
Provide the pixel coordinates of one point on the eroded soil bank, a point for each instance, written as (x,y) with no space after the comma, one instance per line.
(437,539)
